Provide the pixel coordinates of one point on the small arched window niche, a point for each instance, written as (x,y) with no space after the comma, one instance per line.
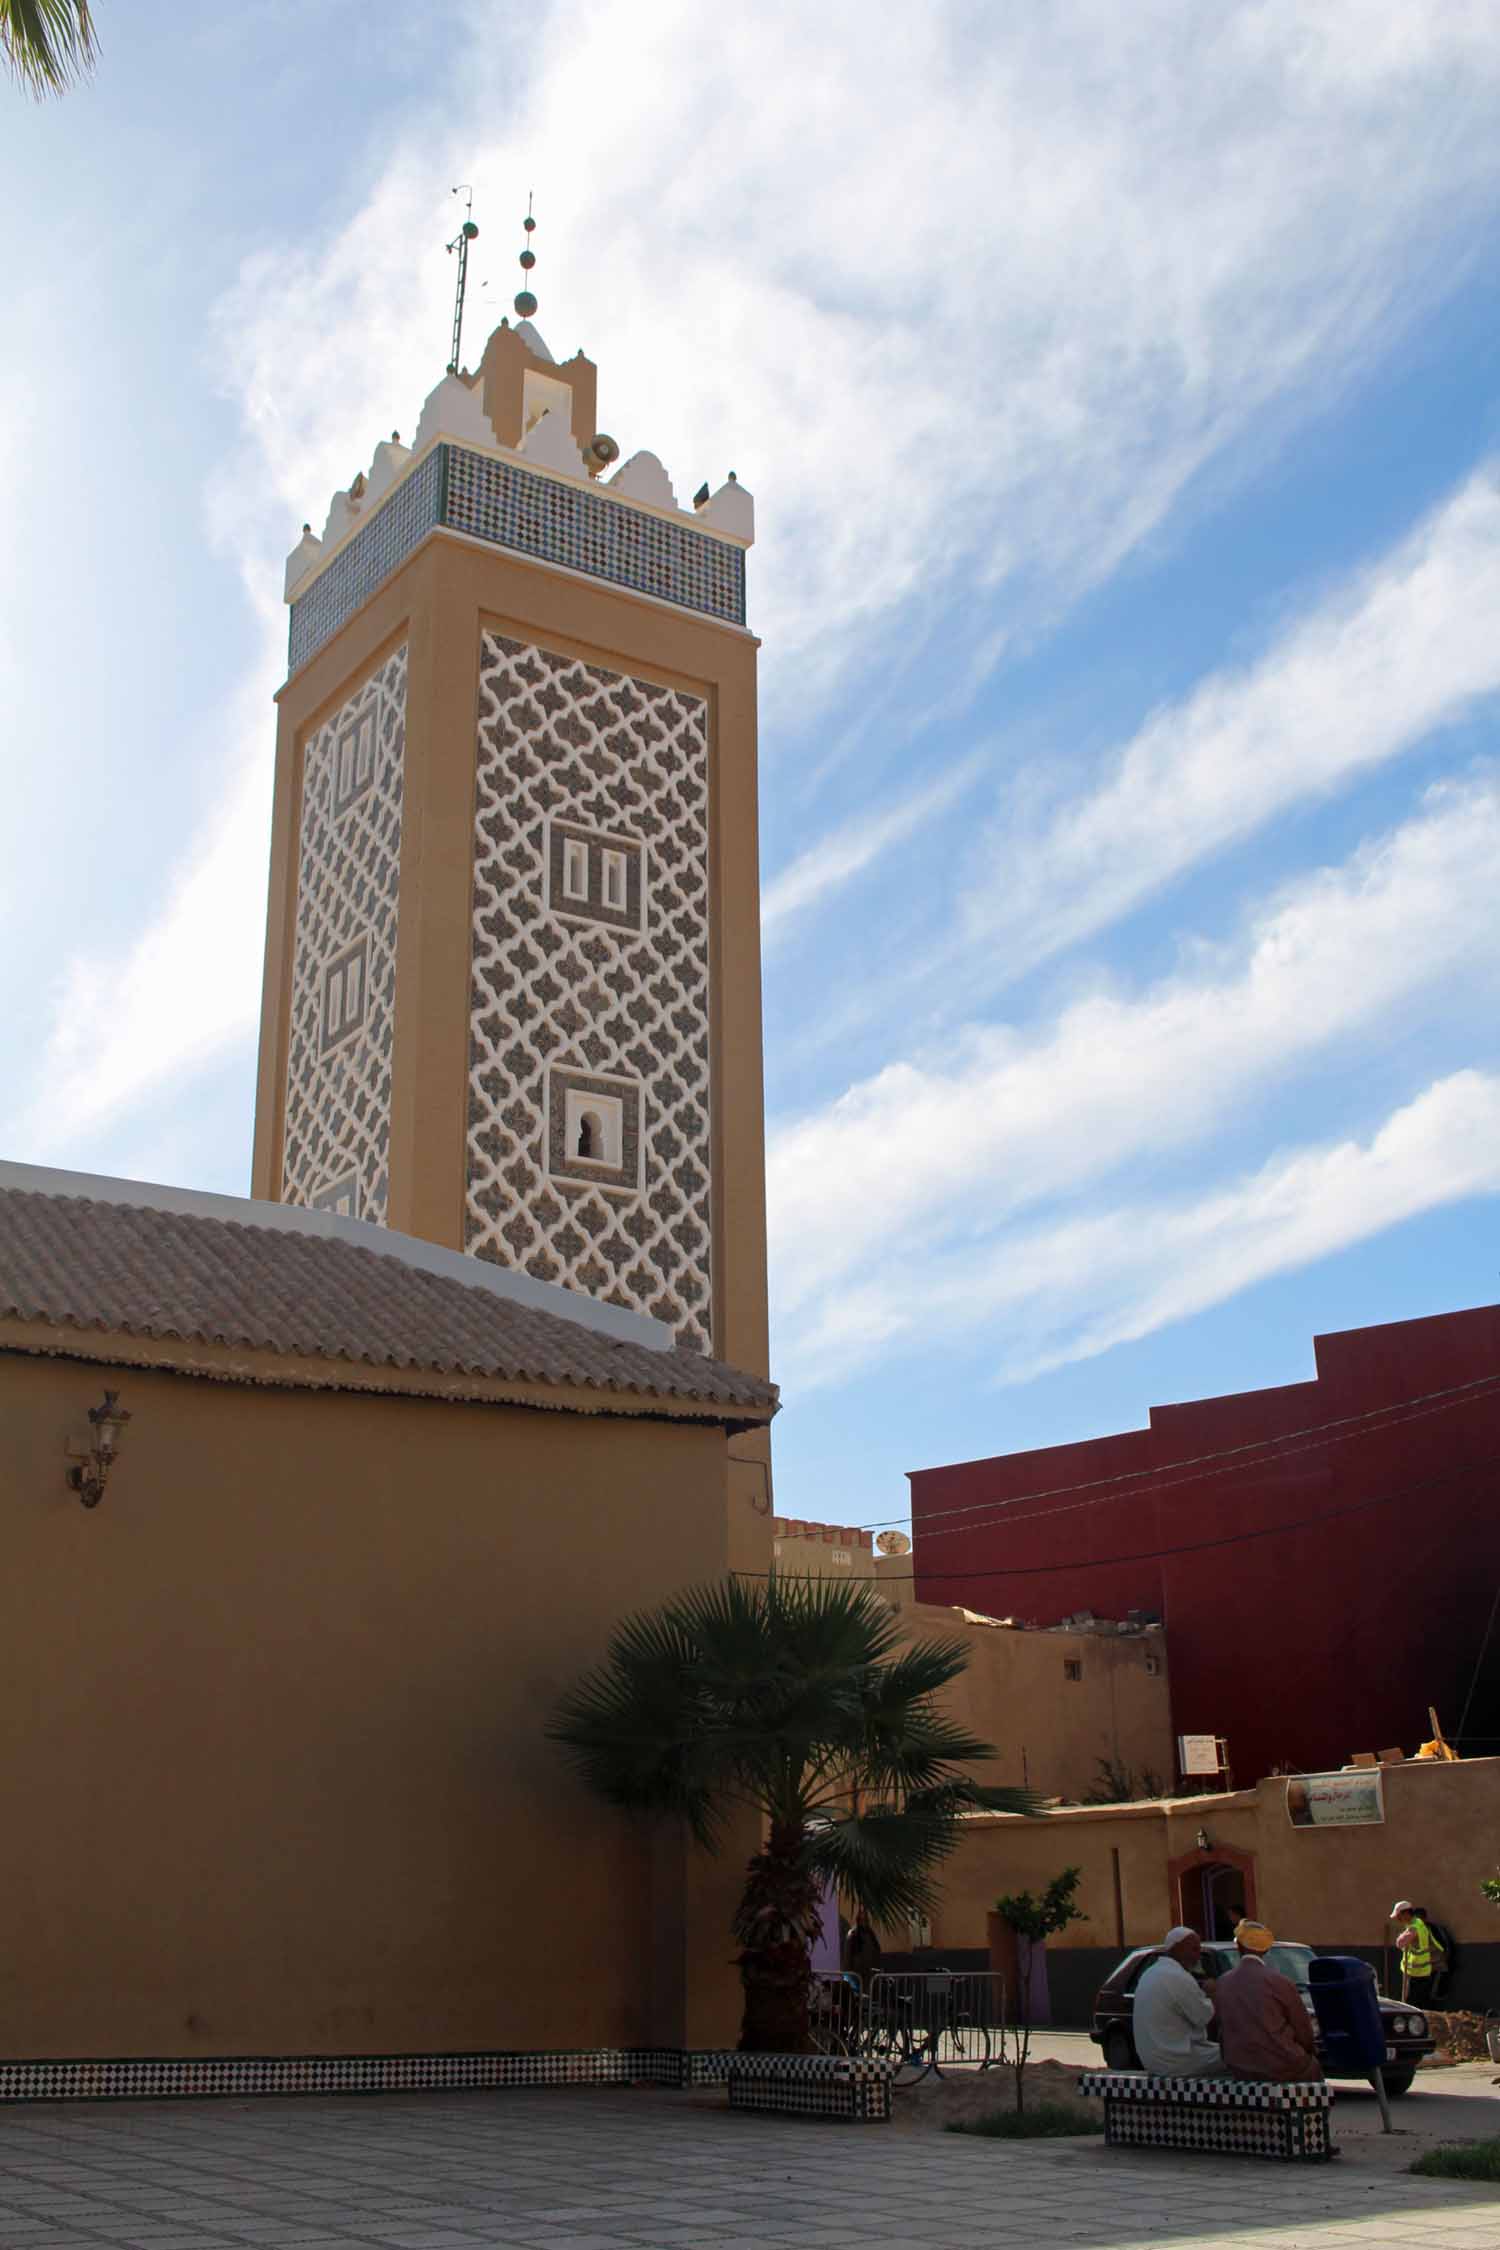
(594,1128)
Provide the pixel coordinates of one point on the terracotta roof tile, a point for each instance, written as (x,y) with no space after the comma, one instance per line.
(73,1262)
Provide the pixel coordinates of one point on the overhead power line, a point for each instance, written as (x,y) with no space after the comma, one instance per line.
(1186,1547)
(1158,1473)
(1339,1433)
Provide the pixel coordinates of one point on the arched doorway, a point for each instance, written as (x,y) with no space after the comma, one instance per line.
(1213,1888)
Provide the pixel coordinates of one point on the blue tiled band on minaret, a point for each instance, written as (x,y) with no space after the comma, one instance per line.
(509,506)
(377,548)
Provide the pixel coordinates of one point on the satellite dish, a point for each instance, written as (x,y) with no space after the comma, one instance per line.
(893,1543)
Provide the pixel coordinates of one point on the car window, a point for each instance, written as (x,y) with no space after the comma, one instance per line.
(1135,1968)
(1292,1961)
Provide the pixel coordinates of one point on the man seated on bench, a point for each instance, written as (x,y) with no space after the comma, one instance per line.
(1264,2026)
(1173,2011)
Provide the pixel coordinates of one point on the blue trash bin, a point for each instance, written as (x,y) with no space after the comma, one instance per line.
(1349,2025)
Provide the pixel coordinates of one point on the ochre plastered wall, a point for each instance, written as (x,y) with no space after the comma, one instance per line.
(272,1726)
(1053,1731)
(1050,1731)
(1325,1886)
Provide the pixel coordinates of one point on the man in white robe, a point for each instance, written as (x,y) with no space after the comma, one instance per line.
(1172,2012)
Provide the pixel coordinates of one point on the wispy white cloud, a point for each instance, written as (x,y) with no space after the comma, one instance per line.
(967,300)
(184,992)
(886,1174)
(1070,1290)
(1117,246)
(1380,664)
(836,860)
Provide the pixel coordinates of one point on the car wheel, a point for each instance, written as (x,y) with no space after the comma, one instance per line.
(1398,2081)
(1119,2052)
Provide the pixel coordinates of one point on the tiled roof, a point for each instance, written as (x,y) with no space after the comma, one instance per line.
(79,1262)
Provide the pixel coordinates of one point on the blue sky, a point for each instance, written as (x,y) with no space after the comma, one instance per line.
(1118,390)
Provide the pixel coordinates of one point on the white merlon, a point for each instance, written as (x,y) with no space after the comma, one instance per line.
(343,514)
(732,509)
(391,457)
(531,338)
(307,552)
(454,411)
(644,478)
(551,445)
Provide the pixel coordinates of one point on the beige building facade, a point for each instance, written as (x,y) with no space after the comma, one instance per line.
(1146,1866)
(1065,1709)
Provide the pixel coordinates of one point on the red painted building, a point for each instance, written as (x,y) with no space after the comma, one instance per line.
(1325,1556)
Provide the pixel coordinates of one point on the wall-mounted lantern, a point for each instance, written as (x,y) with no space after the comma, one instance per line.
(1202,1839)
(90,1472)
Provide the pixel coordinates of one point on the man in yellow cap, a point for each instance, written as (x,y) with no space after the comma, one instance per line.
(1265,2029)
(1419,1951)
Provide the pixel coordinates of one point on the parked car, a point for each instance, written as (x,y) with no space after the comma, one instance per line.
(1407,2037)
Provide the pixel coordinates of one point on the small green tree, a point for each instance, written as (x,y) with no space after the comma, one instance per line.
(1034,1919)
(1490,1885)
(792,1697)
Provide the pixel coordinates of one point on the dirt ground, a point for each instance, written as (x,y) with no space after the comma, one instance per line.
(960,2096)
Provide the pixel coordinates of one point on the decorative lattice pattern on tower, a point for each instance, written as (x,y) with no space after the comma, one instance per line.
(571,1006)
(338,1106)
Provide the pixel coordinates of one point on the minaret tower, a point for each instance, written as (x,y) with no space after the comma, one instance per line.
(512,992)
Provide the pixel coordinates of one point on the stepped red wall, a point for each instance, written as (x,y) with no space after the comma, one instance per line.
(1364,1594)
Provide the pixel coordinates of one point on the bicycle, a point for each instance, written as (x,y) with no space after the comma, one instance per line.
(952,2034)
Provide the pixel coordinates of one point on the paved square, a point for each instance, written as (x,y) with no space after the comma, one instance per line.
(582,2170)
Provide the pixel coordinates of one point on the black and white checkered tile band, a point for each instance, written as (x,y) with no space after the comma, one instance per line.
(1208,2093)
(154,2078)
(134,2080)
(812,2086)
(509,506)
(1220,2116)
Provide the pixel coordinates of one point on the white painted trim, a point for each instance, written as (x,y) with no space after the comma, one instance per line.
(362,1234)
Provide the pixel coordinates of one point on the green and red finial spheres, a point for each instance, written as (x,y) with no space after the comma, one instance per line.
(525,302)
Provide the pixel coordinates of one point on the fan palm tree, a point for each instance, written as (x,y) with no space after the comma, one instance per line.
(795,1698)
(48,45)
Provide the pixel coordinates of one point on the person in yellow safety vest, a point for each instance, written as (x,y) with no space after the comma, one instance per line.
(1418,1948)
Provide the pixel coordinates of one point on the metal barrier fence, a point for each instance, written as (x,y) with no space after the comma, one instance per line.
(917,2020)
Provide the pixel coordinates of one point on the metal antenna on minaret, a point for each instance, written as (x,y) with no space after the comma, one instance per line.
(465,235)
(525,302)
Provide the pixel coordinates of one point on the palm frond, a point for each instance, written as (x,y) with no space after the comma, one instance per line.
(634,1728)
(922,1669)
(881,1861)
(961,1794)
(48,45)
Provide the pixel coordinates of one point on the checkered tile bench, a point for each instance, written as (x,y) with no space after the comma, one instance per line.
(812,2086)
(1226,2116)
